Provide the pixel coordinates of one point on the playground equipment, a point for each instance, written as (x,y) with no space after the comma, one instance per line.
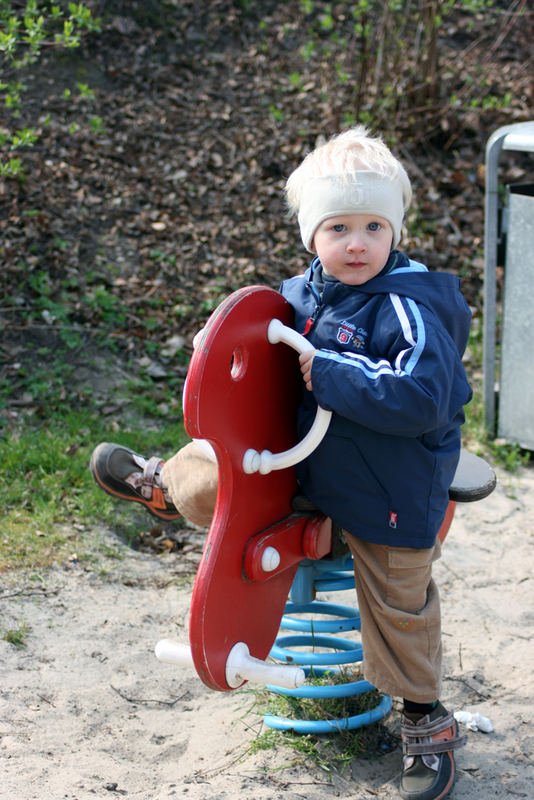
(241,396)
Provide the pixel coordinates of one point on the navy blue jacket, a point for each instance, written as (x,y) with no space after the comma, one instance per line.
(390,368)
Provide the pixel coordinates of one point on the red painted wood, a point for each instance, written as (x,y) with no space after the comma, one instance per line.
(295,537)
(242,392)
(446,524)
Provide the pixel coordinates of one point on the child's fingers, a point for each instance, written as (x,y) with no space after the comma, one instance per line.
(306,361)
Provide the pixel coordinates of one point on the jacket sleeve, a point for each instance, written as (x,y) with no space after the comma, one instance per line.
(418,384)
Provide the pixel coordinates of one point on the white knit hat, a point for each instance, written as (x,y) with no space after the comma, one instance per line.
(360,192)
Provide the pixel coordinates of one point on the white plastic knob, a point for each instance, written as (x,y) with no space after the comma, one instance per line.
(174,653)
(270,559)
(241,666)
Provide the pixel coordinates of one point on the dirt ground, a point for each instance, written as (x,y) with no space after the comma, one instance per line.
(87,711)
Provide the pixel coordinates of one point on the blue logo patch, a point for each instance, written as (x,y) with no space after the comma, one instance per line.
(349,334)
(345,332)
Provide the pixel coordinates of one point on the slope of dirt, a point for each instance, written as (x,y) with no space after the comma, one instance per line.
(157,190)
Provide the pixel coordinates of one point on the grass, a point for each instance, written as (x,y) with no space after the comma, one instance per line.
(475,435)
(328,752)
(49,499)
(51,506)
(16,636)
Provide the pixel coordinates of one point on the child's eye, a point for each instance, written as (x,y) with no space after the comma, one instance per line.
(338,227)
(374,226)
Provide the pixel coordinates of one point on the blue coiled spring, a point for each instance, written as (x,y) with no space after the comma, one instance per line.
(315,576)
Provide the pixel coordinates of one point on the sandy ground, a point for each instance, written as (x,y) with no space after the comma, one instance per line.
(87,711)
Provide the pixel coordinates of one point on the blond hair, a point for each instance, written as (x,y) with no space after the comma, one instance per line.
(343,155)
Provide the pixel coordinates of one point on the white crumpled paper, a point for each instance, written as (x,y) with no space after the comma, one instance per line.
(474,722)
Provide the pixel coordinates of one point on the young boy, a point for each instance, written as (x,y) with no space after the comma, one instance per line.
(389,337)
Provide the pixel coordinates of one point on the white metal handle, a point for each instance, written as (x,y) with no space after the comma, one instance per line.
(266,462)
(240,665)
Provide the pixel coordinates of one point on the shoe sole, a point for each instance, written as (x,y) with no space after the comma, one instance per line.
(427,794)
(125,495)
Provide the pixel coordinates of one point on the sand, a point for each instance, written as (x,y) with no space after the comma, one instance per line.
(87,711)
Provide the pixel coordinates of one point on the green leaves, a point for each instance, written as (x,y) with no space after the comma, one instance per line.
(25,32)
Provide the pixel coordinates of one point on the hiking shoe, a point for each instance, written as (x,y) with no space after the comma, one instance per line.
(127,475)
(427,744)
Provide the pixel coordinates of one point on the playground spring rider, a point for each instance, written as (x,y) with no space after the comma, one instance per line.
(241,397)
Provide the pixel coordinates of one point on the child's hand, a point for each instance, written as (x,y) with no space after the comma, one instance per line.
(306,361)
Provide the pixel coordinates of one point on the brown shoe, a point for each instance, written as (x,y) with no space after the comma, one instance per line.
(122,473)
(428,743)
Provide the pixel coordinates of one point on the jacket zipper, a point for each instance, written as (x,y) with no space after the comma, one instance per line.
(310,322)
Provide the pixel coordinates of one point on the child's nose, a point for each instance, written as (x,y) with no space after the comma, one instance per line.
(356,243)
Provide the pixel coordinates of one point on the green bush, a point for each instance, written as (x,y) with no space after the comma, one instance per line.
(27,30)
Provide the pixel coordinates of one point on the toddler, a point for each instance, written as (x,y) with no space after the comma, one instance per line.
(388,338)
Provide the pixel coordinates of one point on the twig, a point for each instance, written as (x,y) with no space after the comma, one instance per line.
(202,776)
(29,593)
(455,574)
(284,784)
(46,700)
(483,694)
(146,701)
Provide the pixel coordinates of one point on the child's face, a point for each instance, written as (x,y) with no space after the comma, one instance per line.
(353,247)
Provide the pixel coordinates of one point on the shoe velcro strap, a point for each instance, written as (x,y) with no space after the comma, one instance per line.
(412,735)
(150,475)
(430,748)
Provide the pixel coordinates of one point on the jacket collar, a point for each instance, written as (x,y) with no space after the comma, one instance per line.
(319,279)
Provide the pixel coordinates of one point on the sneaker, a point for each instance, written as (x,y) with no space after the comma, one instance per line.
(127,475)
(427,743)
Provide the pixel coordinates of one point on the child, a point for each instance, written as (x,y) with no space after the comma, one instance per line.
(389,337)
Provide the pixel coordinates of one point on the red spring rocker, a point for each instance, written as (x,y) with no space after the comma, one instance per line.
(241,397)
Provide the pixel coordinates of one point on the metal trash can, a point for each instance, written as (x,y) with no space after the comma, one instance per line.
(514,386)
